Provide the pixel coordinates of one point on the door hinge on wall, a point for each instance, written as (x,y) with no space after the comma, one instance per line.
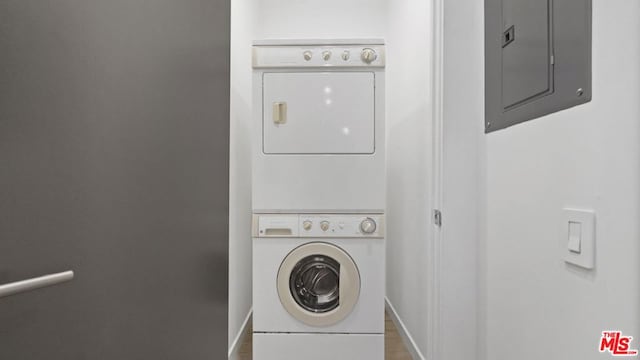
(437,217)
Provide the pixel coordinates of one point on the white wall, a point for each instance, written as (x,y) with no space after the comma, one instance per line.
(242,17)
(462,125)
(537,307)
(421,285)
(312,19)
(409,163)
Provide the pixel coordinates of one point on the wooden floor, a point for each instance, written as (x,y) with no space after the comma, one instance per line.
(394,348)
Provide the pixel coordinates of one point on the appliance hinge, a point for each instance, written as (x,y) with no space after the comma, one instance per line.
(437,217)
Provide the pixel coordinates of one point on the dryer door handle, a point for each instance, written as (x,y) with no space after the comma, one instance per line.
(280,113)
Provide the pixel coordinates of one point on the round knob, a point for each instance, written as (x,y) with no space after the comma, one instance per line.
(346,55)
(368,226)
(306,225)
(307,55)
(324,225)
(326,55)
(368,55)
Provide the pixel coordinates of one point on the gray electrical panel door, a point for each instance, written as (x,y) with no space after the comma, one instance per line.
(526,54)
(537,58)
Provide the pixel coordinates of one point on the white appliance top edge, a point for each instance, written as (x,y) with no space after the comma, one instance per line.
(310,42)
(317,212)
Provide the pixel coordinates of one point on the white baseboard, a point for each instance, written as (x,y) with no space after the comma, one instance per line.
(237,342)
(404,333)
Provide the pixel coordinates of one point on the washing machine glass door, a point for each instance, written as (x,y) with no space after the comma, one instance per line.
(315,283)
(318,113)
(318,284)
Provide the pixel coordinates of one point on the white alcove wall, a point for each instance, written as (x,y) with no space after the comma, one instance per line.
(242,19)
(410,161)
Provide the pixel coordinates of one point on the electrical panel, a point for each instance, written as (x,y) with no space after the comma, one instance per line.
(537,58)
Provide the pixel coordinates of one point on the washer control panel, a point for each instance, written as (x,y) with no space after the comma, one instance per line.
(370,55)
(319,225)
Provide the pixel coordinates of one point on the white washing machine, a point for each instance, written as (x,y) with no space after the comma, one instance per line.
(318,286)
(319,136)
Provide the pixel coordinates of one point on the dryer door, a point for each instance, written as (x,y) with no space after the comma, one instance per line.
(318,113)
(318,284)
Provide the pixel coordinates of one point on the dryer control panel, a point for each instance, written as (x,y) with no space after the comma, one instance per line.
(367,55)
(319,225)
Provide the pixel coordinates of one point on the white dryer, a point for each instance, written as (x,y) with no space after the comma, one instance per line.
(319,138)
(318,286)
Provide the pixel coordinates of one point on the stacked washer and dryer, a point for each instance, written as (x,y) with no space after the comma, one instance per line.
(318,200)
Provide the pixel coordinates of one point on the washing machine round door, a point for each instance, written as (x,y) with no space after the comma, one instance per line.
(318,284)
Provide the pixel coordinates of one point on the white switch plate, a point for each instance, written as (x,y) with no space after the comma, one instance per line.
(578,237)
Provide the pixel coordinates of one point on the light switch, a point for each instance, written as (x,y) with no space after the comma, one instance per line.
(579,237)
(575,236)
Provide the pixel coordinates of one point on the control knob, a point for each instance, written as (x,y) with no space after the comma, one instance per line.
(368,55)
(307,55)
(324,225)
(368,226)
(306,225)
(326,55)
